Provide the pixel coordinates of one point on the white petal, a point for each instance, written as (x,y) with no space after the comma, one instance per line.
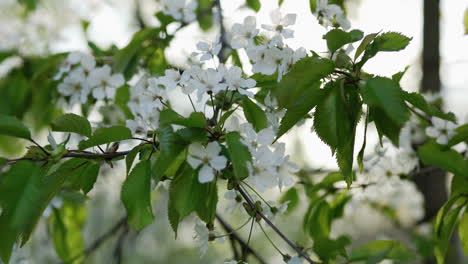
(194,163)
(442,139)
(196,149)
(275,16)
(205,57)
(432,132)
(98,93)
(205,174)
(266,136)
(213,149)
(218,163)
(116,80)
(203,46)
(289,19)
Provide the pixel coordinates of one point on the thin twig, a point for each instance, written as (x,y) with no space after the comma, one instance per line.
(242,243)
(268,222)
(39,146)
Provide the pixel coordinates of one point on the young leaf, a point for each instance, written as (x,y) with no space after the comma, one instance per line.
(391,41)
(313,6)
(66,224)
(328,115)
(10,126)
(385,125)
(72,123)
(106,135)
(239,154)
(463,232)
(301,107)
(292,195)
(418,101)
(337,38)
(446,222)
(130,158)
(254,114)
(364,43)
(136,195)
(449,160)
(383,249)
(168,116)
(254,5)
(386,94)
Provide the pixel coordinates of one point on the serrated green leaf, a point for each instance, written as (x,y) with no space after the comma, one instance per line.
(254,114)
(130,158)
(26,190)
(10,126)
(320,220)
(364,43)
(329,115)
(72,123)
(301,107)
(186,194)
(337,38)
(302,77)
(385,125)
(449,160)
(239,154)
(386,94)
(170,146)
(106,135)
(390,41)
(206,208)
(392,250)
(418,101)
(190,135)
(254,5)
(136,195)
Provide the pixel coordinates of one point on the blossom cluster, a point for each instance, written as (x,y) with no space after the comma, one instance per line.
(84,78)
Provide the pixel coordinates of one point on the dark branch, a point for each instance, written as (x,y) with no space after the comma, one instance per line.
(234,236)
(277,231)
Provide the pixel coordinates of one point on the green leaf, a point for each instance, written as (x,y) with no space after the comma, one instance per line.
(445,224)
(292,195)
(170,146)
(391,41)
(130,158)
(337,38)
(302,78)
(301,107)
(465,21)
(254,114)
(364,43)
(106,135)
(206,208)
(26,190)
(66,224)
(449,160)
(280,2)
(29,4)
(328,249)
(168,116)
(386,94)
(320,220)
(313,6)
(136,195)
(205,14)
(254,5)
(383,249)
(190,135)
(186,194)
(463,232)
(328,115)
(385,125)
(125,58)
(239,154)
(10,126)
(122,97)
(460,136)
(418,101)
(72,123)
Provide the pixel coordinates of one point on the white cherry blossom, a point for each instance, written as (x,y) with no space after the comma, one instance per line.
(208,50)
(207,158)
(180,9)
(76,87)
(331,15)
(103,83)
(208,81)
(441,130)
(203,236)
(242,35)
(280,23)
(235,82)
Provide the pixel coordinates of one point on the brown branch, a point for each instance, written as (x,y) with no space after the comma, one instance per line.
(277,231)
(234,236)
